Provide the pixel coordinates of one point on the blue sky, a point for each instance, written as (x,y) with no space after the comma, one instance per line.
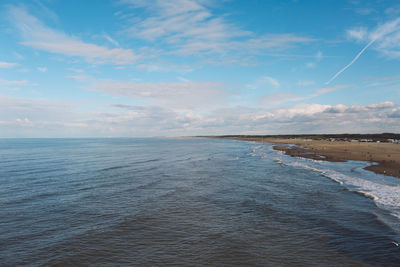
(198,67)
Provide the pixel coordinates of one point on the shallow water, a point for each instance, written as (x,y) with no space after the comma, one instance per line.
(189,202)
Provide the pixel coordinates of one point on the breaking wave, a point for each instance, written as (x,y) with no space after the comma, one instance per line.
(372,186)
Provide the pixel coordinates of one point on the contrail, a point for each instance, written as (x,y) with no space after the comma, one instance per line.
(351,63)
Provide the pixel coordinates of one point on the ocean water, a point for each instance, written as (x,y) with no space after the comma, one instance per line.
(191,202)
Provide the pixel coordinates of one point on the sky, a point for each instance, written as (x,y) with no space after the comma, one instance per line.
(141,68)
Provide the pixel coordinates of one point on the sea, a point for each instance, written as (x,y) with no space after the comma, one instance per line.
(190,202)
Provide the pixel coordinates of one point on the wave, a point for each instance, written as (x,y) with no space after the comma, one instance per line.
(333,179)
(365,194)
(257,151)
(114,168)
(381,191)
(378,188)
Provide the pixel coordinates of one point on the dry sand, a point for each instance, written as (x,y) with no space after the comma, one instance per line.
(387,155)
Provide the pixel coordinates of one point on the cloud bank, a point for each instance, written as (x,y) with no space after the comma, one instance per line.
(32,117)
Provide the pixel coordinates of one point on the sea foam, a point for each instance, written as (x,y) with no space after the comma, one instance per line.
(386,196)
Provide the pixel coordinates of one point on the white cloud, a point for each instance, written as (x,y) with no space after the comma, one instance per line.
(268,42)
(37,35)
(163,67)
(6,65)
(177,20)
(190,27)
(385,30)
(328,89)
(385,37)
(42,69)
(24,121)
(177,95)
(300,110)
(33,109)
(317,58)
(364,10)
(12,83)
(383,105)
(351,62)
(80,77)
(76,70)
(315,118)
(272,81)
(360,109)
(395,113)
(15,82)
(301,118)
(262,81)
(358,34)
(21,117)
(280,98)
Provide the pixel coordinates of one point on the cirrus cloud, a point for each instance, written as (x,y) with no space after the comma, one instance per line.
(189,27)
(37,35)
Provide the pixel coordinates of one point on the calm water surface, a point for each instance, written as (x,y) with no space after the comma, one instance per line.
(189,202)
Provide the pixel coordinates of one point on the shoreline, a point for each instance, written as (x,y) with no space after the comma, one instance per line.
(386,155)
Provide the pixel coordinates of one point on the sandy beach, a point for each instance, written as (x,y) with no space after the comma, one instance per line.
(387,155)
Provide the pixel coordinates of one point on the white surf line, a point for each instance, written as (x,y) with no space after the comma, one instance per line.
(351,62)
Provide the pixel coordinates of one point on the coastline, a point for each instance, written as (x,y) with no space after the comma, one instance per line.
(386,155)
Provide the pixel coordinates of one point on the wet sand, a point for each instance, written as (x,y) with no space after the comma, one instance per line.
(387,155)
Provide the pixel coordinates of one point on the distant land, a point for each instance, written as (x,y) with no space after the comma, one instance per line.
(383,150)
